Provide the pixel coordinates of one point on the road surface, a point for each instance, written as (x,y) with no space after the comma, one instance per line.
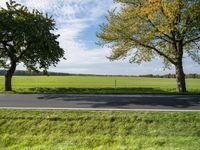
(100,102)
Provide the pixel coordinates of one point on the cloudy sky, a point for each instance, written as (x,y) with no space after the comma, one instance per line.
(77,23)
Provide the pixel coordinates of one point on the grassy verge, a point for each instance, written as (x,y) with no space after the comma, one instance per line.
(57,130)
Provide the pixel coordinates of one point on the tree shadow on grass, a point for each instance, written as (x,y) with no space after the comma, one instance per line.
(38,90)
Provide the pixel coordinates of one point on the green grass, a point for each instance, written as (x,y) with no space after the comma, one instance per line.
(98,85)
(60,130)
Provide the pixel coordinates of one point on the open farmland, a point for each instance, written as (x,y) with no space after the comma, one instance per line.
(98,85)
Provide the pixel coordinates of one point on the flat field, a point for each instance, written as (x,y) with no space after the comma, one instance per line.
(98,85)
(85,130)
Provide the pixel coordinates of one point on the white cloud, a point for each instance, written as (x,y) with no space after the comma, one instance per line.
(3,3)
(77,52)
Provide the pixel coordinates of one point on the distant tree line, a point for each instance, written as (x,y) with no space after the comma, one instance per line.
(27,73)
(192,75)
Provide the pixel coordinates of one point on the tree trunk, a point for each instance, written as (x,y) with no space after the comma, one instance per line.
(8,77)
(8,84)
(180,78)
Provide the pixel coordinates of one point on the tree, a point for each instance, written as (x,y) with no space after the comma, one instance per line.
(26,37)
(146,29)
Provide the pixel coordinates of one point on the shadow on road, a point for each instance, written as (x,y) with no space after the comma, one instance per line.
(128,101)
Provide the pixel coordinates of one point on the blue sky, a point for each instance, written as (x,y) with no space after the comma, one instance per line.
(77,22)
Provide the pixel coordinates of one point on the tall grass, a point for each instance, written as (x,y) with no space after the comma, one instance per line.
(57,130)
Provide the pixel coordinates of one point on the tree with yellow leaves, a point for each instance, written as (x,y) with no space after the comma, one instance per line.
(146,29)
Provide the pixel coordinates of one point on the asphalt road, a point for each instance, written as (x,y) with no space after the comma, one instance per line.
(100,102)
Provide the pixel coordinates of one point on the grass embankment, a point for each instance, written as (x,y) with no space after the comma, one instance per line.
(56,130)
(97,85)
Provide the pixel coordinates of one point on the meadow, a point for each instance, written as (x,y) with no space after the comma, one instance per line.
(85,130)
(97,85)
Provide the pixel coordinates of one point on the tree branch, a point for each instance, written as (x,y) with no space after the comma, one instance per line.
(191,40)
(10,54)
(157,29)
(154,26)
(156,50)
(23,52)
(20,56)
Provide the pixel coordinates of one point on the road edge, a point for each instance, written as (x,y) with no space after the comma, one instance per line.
(99,109)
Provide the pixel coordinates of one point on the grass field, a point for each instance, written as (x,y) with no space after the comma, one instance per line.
(99,85)
(59,130)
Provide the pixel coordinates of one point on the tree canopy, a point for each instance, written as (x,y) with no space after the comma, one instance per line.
(145,29)
(27,37)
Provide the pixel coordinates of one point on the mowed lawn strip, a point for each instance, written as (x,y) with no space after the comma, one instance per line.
(35,130)
(97,85)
